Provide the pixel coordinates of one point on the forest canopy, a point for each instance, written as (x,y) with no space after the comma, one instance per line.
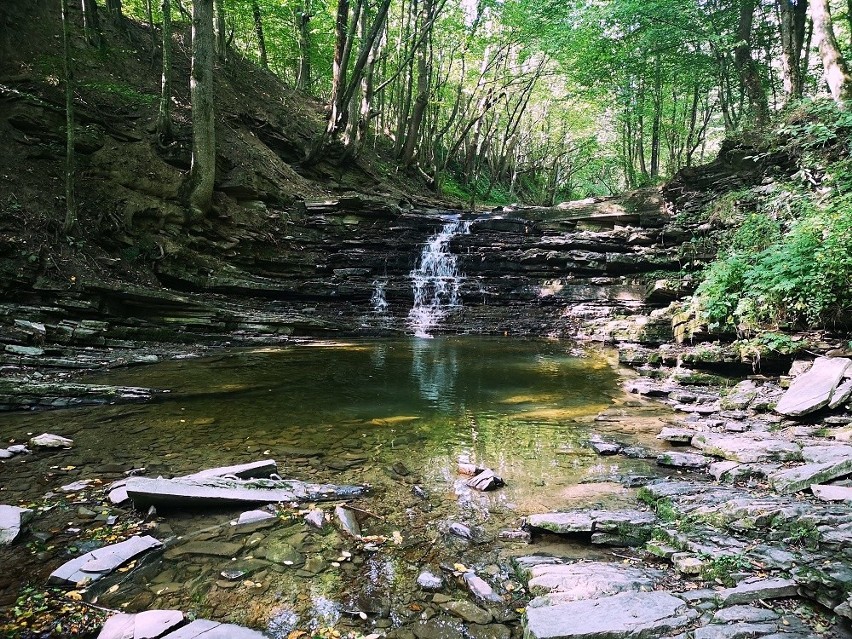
(541,100)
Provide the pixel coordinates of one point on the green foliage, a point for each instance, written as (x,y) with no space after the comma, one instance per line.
(721,569)
(126,93)
(804,534)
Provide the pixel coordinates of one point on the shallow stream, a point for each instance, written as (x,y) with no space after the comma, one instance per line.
(396,414)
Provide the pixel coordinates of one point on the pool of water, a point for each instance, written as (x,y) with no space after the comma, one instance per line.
(392,413)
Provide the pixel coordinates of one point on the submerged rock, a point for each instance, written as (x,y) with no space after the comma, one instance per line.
(428,580)
(467,611)
(47,440)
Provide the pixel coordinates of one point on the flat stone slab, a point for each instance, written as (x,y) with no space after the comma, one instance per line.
(792,480)
(561,582)
(262,468)
(12,521)
(831,493)
(205,629)
(145,491)
(747,448)
(758,589)
(628,614)
(591,521)
(684,460)
(150,624)
(676,435)
(814,389)
(101,562)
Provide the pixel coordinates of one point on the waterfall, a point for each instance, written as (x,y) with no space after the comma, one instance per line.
(378,300)
(435,280)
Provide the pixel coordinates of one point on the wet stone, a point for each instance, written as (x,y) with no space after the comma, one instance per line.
(559,582)
(427,580)
(467,611)
(204,629)
(490,631)
(316,518)
(210,548)
(437,628)
(348,522)
(480,588)
(46,440)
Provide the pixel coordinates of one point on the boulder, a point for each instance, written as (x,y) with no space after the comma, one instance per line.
(262,468)
(12,521)
(814,389)
(627,614)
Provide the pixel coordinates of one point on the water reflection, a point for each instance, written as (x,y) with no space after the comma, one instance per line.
(435,368)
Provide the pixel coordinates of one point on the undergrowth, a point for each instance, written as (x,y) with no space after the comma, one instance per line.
(787,257)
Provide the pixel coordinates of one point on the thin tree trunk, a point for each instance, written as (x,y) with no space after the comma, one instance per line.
(114,9)
(149,15)
(749,74)
(424,72)
(836,72)
(792,17)
(91,22)
(221,31)
(258,30)
(70,199)
(164,114)
(303,18)
(203,169)
(337,70)
(658,115)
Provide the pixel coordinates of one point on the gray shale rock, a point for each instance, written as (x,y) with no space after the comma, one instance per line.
(12,521)
(814,389)
(99,563)
(150,624)
(634,615)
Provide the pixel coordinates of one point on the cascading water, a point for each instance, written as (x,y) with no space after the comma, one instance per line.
(378,300)
(436,279)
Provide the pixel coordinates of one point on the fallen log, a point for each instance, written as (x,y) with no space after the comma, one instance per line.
(184,491)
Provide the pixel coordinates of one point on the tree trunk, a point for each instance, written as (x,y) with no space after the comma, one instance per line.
(657,100)
(203,169)
(792,18)
(747,67)
(303,17)
(424,73)
(221,30)
(149,16)
(91,22)
(258,30)
(337,70)
(164,114)
(114,8)
(836,73)
(70,199)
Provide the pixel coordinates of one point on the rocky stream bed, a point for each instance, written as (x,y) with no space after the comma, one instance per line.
(737,526)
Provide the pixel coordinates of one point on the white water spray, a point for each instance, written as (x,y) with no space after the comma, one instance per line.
(436,280)
(378,300)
